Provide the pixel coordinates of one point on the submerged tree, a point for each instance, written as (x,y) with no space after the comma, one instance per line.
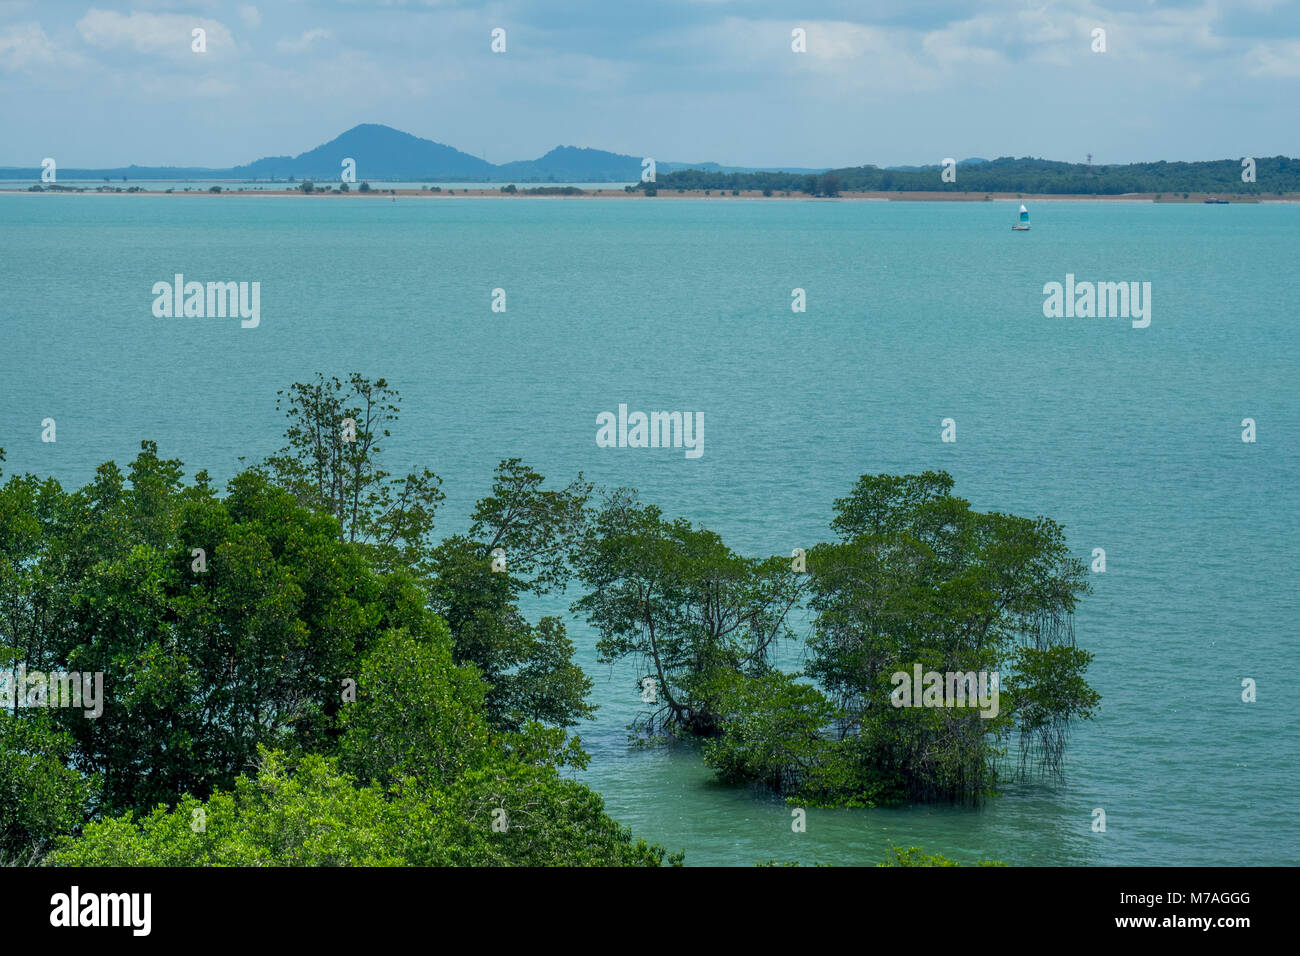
(683,605)
(919,578)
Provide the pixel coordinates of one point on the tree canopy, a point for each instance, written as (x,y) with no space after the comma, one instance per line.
(295,673)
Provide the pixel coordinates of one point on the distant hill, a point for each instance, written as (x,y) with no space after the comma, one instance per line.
(381,153)
(386,154)
(574,164)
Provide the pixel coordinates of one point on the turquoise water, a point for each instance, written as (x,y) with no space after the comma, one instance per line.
(916,312)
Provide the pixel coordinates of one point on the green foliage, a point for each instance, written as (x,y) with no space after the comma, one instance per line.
(314,814)
(416,715)
(917,577)
(332,464)
(537,528)
(548,820)
(828,185)
(911,856)
(1050,693)
(228,629)
(204,656)
(532,531)
(683,605)
(772,729)
(40,796)
(915,856)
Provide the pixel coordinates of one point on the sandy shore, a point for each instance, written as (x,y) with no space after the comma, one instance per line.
(713,195)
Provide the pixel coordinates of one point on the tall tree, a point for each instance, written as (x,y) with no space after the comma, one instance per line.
(918,577)
(520,541)
(332,461)
(683,605)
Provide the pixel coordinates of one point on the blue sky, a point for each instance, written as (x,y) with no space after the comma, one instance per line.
(108,84)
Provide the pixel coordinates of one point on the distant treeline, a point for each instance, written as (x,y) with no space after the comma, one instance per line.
(1274,175)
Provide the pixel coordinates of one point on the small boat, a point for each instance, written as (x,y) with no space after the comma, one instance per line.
(1216,201)
(1023,224)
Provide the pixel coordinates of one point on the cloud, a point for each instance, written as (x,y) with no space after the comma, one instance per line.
(1279,59)
(250,15)
(164,34)
(304,42)
(844,58)
(25,47)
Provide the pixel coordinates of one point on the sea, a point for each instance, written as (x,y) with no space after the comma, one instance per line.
(914,313)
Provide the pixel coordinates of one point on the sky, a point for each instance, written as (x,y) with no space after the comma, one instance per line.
(884,83)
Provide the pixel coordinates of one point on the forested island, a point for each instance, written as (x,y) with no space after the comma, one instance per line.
(296,673)
(1268,176)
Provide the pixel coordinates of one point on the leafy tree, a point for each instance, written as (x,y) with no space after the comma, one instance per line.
(773,730)
(520,540)
(40,796)
(536,528)
(918,577)
(547,820)
(315,815)
(417,714)
(682,604)
(218,623)
(1051,694)
(332,464)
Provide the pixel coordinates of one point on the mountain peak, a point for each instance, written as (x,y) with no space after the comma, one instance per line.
(381,153)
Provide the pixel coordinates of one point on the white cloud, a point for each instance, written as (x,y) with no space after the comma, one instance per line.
(304,42)
(26,47)
(166,34)
(250,15)
(1280,59)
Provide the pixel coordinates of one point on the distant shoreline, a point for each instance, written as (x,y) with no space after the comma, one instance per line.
(715,195)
